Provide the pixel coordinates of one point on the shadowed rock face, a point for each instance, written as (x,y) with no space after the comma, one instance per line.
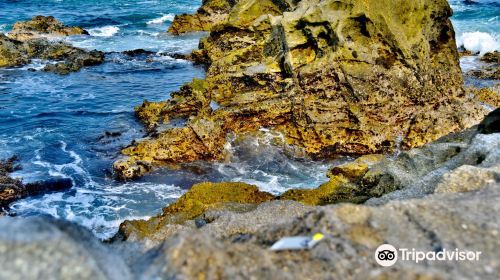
(43,27)
(336,77)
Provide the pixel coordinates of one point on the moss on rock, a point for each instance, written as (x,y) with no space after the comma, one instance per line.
(195,202)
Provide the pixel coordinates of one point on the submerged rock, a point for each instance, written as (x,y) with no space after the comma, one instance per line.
(343,77)
(211,13)
(43,27)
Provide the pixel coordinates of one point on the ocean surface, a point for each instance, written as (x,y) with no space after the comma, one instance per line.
(74,126)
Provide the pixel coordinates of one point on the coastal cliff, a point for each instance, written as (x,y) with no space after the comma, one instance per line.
(334,77)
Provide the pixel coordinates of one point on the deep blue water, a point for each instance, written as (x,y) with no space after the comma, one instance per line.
(57,124)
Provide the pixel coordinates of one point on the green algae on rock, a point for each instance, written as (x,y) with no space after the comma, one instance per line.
(335,77)
(43,27)
(195,202)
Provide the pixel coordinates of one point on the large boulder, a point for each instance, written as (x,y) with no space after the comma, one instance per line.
(335,77)
(43,27)
(44,248)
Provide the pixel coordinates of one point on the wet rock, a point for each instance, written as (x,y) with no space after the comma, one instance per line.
(270,65)
(486,73)
(460,162)
(43,248)
(43,27)
(12,189)
(11,52)
(138,52)
(211,13)
(492,57)
(490,124)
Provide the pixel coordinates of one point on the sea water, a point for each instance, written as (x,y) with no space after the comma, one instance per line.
(57,124)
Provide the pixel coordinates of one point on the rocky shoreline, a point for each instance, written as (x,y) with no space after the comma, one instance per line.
(373,79)
(451,203)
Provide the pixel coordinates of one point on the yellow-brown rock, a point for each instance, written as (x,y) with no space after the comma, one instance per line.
(43,27)
(209,14)
(335,77)
(490,96)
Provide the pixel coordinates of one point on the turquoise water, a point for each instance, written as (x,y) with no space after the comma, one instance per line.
(58,124)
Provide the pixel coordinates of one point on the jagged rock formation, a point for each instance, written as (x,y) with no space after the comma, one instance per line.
(336,77)
(43,27)
(211,13)
(69,59)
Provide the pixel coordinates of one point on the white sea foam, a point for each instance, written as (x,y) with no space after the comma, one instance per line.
(478,42)
(3,28)
(105,31)
(162,19)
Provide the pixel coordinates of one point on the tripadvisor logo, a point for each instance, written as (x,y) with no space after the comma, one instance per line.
(387,255)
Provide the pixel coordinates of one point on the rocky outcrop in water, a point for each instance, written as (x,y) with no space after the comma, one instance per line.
(12,189)
(43,27)
(490,70)
(28,40)
(211,13)
(335,77)
(65,57)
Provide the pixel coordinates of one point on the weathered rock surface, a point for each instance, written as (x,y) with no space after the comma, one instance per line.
(442,221)
(66,57)
(43,248)
(43,27)
(335,77)
(211,13)
(490,96)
